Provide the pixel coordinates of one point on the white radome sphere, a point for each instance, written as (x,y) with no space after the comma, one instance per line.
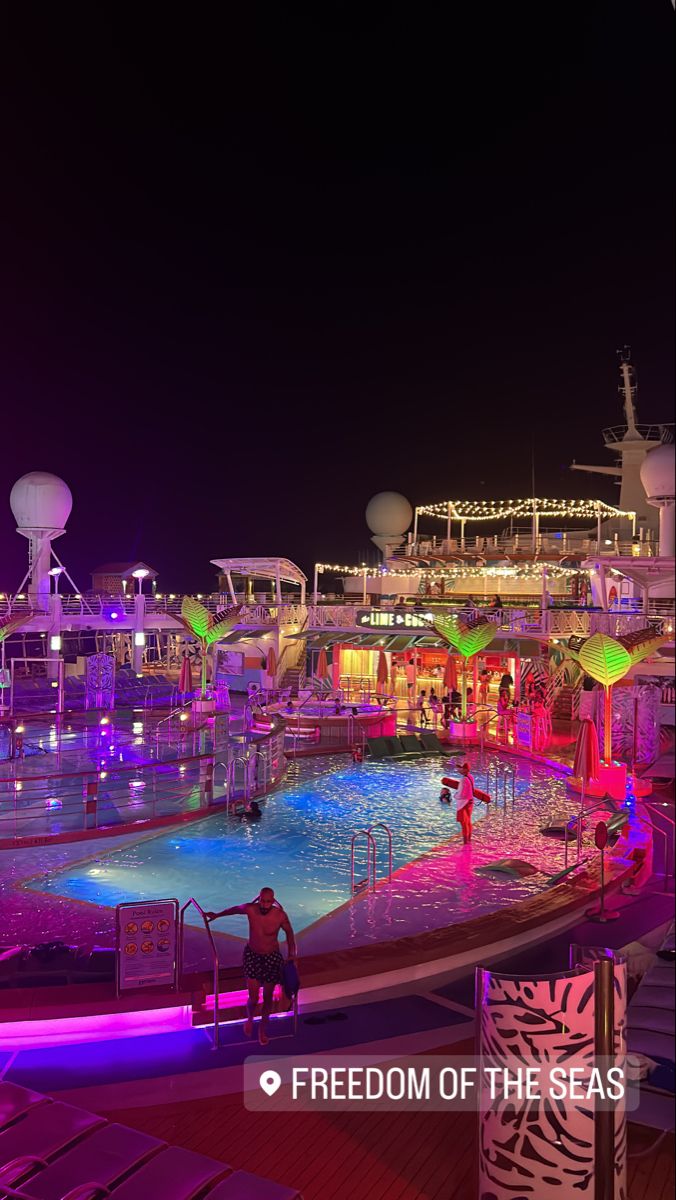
(657,472)
(40,501)
(388,513)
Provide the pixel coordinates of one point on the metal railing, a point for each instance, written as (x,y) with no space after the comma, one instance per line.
(111,795)
(369,882)
(503,776)
(388,833)
(649,433)
(214,955)
(511,620)
(669,841)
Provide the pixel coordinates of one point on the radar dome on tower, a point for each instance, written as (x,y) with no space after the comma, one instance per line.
(388,513)
(388,516)
(40,500)
(41,504)
(657,472)
(657,476)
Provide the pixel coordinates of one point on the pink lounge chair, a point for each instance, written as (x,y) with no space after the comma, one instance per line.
(241,1185)
(15,1101)
(95,1164)
(41,1133)
(174,1174)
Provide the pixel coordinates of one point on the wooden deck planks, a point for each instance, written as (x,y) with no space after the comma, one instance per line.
(360,1156)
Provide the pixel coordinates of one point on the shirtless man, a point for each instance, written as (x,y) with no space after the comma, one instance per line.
(262,957)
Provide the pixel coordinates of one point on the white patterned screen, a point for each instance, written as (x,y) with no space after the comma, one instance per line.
(544,1148)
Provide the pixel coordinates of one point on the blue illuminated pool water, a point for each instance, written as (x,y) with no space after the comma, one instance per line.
(301,846)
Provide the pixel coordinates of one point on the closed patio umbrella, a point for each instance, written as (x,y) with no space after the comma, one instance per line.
(322,666)
(271,666)
(185,679)
(451,675)
(586,764)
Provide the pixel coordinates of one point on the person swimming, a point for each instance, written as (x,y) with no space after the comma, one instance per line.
(445,796)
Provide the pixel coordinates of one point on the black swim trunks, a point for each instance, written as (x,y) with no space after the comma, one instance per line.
(264,968)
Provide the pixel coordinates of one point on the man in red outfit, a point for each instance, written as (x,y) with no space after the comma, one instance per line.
(465,802)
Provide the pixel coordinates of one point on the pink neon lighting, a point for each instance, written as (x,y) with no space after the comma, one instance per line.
(98,1027)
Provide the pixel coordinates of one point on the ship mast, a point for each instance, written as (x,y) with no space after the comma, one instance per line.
(628,389)
(630,442)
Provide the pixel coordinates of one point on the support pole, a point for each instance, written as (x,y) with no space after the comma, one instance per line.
(139,621)
(604,1047)
(448,522)
(315,587)
(608,726)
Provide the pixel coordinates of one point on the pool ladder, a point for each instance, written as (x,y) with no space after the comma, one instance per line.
(503,777)
(368,884)
(214,959)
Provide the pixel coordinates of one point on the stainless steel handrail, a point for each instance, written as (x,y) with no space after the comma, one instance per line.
(214,953)
(370,859)
(671,822)
(504,774)
(173,713)
(388,831)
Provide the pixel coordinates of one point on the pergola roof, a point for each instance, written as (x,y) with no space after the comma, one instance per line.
(646,572)
(493,510)
(124,569)
(263,568)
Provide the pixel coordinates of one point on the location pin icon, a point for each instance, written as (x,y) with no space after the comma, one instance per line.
(270,1082)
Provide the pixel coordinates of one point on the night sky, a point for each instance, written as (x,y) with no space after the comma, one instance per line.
(255,269)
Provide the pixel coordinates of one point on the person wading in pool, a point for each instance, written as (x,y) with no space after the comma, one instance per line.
(465,802)
(263,961)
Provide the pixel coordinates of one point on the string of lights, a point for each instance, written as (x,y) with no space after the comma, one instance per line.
(496,510)
(455,571)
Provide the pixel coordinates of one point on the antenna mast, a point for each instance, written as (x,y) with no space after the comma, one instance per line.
(627,390)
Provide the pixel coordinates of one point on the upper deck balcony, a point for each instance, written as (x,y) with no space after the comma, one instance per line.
(647,433)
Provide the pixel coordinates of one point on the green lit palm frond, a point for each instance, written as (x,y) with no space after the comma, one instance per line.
(225,624)
(604,659)
(9,624)
(447,627)
(195,617)
(641,643)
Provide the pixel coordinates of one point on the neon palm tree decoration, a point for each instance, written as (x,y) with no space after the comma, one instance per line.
(470,638)
(201,625)
(9,623)
(607,660)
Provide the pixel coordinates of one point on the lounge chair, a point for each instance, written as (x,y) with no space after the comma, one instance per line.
(393,747)
(616,824)
(15,1101)
(174,1174)
(39,1135)
(241,1185)
(377,747)
(101,1159)
(410,744)
(430,743)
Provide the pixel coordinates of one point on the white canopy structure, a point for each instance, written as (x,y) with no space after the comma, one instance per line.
(280,570)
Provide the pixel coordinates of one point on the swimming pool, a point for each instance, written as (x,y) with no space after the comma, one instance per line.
(301,846)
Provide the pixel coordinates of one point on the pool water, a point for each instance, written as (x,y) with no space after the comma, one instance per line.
(301,846)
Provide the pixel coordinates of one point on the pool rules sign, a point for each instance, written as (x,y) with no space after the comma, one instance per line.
(147,944)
